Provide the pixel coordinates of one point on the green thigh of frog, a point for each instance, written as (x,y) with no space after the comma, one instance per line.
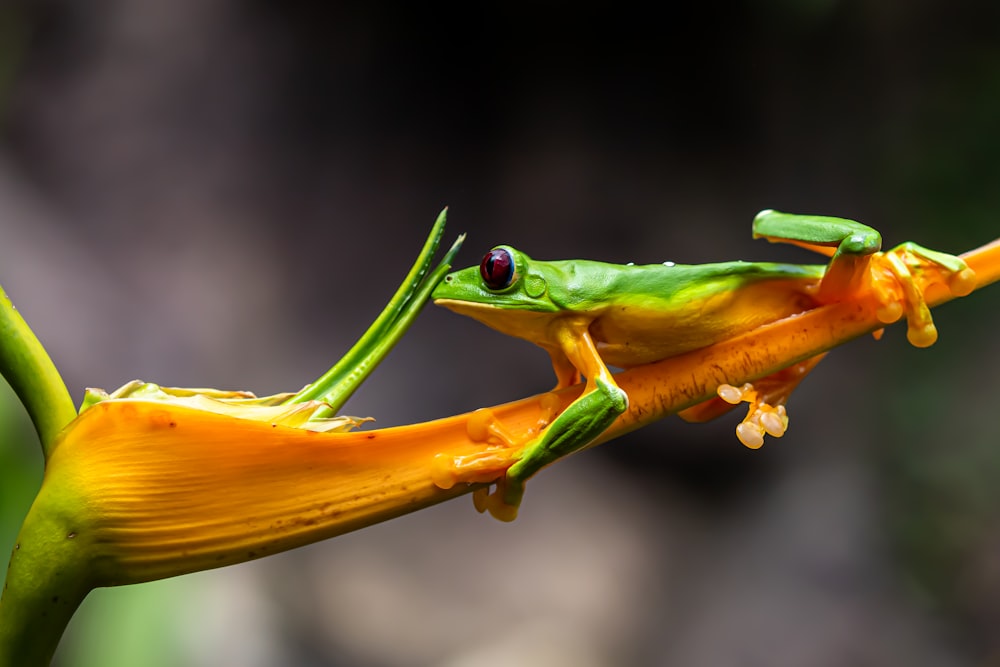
(590,315)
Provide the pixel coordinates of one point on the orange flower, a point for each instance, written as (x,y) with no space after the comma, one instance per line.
(165,488)
(148,485)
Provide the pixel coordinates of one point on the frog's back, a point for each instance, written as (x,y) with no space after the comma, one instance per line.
(586,286)
(649,312)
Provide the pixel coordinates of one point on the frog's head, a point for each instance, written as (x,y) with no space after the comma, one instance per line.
(503,287)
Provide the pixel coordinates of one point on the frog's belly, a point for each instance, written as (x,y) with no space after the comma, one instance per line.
(627,337)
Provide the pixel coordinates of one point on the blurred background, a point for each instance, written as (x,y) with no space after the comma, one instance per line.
(222,193)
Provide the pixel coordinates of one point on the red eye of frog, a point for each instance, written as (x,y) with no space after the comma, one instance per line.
(497,269)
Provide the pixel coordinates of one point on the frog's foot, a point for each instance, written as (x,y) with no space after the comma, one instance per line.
(486,467)
(899,279)
(503,502)
(549,405)
(762,417)
(481,467)
(767,397)
(500,497)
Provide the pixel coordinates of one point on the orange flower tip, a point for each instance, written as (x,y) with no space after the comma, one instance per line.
(922,335)
(962,282)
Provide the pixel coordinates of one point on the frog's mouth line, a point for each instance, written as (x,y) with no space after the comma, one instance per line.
(518,321)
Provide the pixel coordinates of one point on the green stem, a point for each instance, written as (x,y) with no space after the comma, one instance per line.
(337,385)
(34,378)
(43,586)
(46,580)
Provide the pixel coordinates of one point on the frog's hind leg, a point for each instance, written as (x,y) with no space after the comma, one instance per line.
(896,278)
(850,245)
(767,398)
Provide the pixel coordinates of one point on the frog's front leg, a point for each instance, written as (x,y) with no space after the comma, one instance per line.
(567,374)
(490,466)
(576,427)
(508,465)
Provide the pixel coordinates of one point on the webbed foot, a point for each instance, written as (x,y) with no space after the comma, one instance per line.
(482,467)
(901,275)
(767,397)
(503,502)
(762,417)
(502,496)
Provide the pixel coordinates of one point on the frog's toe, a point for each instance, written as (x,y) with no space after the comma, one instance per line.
(480,468)
(495,502)
(750,434)
(922,334)
(498,497)
(901,276)
(488,466)
(774,420)
(490,463)
(481,499)
(961,283)
(503,512)
(762,418)
(734,395)
(444,471)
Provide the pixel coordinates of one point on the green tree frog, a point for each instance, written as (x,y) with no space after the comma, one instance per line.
(588,315)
